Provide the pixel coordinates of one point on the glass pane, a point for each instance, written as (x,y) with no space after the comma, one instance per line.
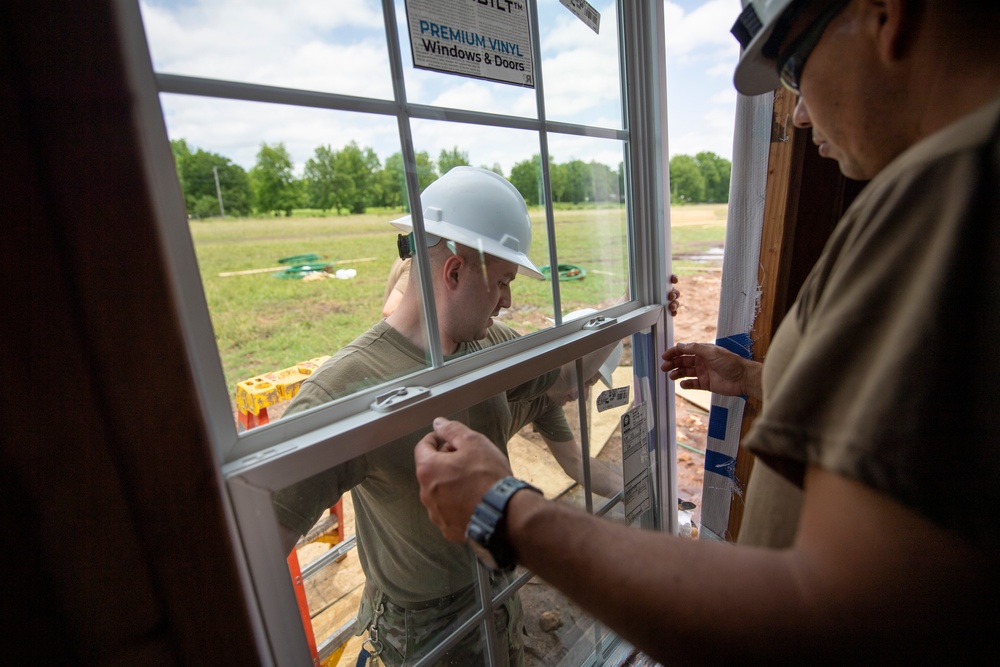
(403,553)
(546,455)
(580,67)
(336,47)
(558,631)
(513,155)
(298,266)
(590,222)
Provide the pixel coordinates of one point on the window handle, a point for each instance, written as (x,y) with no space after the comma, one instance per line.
(600,322)
(398,398)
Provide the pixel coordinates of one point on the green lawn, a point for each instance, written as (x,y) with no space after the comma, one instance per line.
(263,323)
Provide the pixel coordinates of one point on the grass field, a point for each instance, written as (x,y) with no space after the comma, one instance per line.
(263,323)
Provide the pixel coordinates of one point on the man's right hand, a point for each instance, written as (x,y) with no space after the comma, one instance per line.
(712,368)
(456,466)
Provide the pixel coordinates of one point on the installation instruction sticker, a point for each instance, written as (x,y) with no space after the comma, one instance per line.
(585,12)
(612,398)
(635,462)
(485,39)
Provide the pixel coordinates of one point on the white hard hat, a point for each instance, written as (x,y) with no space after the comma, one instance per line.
(479,209)
(611,363)
(757,71)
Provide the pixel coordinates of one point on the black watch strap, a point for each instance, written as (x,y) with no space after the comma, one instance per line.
(487,529)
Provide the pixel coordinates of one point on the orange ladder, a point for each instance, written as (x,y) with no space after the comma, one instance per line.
(253,397)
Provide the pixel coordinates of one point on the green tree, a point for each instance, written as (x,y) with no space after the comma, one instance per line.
(356,181)
(717,172)
(621,182)
(197,172)
(452,158)
(319,179)
(579,184)
(558,181)
(393,181)
(181,151)
(526,176)
(604,182)
(393,178)
(687,183)
(426,173)
(274,184)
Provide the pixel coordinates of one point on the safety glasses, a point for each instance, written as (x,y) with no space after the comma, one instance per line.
(790,66)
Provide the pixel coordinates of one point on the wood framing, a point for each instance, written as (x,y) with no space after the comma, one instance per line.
(805,197)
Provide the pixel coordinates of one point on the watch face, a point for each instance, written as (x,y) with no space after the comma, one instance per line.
(486,533)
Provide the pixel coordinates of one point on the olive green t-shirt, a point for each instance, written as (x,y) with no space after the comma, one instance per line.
(400,550)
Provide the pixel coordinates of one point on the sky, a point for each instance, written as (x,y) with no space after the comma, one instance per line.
(339,46)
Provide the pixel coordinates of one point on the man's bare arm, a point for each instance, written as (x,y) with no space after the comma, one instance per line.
(866,579)
(605,479)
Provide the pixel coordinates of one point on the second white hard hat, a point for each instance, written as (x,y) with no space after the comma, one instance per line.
(757,71)
(479,209)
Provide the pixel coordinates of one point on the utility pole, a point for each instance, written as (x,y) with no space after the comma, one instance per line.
(218,190)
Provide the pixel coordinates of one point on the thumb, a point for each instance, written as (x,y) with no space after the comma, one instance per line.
(448,431)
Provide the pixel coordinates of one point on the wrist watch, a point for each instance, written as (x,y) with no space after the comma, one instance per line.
(487,529)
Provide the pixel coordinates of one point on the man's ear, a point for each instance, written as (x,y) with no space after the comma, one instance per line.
(451,269)
(898,21)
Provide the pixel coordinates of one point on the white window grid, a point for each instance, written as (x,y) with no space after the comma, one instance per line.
(254,463)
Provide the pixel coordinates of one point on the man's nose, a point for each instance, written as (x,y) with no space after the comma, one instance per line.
(800,115)
(505,299)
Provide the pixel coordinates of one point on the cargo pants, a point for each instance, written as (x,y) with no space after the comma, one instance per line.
(408,633)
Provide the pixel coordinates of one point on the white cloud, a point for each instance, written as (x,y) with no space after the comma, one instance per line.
(701,55)
(726,96)
(707,25)
(340,47)
(280,44)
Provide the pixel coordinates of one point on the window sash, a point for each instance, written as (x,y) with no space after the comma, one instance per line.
(254,463)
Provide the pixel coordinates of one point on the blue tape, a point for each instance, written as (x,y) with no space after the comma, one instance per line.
(720,464)
(739,344)
(717,419)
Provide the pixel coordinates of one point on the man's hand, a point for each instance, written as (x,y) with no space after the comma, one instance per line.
(713,368)
(456,466)
(673,296)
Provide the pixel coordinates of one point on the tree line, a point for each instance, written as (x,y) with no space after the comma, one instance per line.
(354,179)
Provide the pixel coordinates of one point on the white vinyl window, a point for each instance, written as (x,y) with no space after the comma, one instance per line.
(284,139)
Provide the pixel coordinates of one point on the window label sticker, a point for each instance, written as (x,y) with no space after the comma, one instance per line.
(635,462)
(585,12)
(484,39)
(612,398)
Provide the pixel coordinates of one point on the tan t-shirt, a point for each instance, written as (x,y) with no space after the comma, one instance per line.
(885,368)
(399,277)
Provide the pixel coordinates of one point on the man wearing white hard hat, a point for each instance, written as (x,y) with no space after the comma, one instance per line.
(417,583)
(892,549)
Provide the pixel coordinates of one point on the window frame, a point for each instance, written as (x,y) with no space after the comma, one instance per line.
(252,464)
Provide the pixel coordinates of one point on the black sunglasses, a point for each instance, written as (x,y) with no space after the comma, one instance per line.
(790,66)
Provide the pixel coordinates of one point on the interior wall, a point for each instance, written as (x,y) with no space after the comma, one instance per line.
(116,549)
